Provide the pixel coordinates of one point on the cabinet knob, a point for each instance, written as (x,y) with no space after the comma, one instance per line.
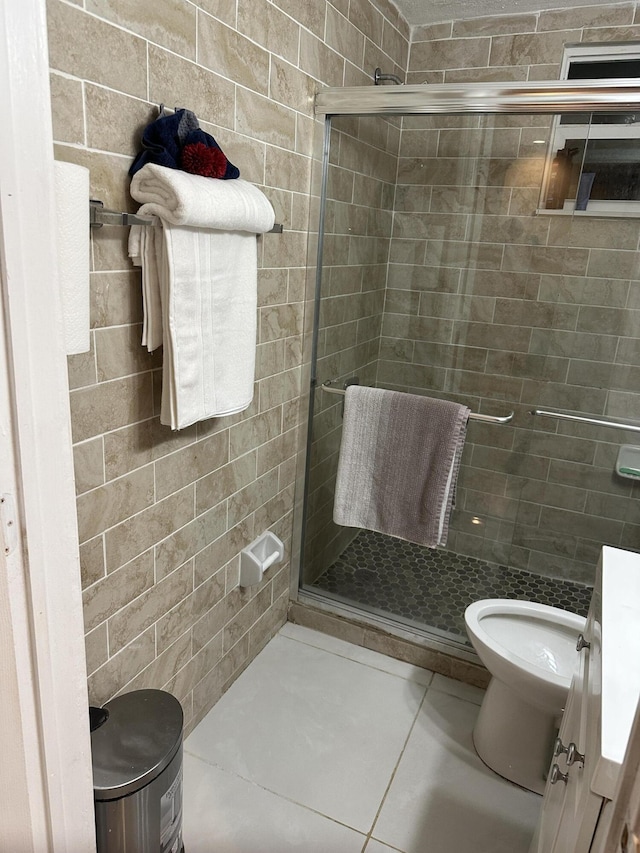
(582,643)
(557,776)
(573,755)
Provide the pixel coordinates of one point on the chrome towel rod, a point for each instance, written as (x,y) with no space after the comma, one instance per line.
(99,216)
(563,416)
(474,416)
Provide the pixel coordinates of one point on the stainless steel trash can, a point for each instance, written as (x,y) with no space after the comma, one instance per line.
(137,774)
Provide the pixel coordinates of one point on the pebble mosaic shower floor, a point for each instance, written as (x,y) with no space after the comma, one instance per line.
(433,587)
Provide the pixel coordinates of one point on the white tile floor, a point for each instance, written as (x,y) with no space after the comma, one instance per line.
(325,747)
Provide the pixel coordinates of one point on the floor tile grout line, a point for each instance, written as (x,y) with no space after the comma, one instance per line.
(362,663)
(276,794)
(395,770)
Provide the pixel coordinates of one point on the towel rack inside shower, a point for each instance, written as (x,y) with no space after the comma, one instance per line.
(582,419)
(474,416)
(99,216)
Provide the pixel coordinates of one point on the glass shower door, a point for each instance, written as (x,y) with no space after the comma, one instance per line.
(443,275)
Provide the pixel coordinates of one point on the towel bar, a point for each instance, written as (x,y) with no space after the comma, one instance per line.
(581,419)
(474,416)
(99,216)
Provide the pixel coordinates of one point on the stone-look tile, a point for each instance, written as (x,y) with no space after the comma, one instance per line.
(431,32)
(265,119)
(450,53)
(191,463)
(495,25)
(130,447)
(212,622)
(344,37)
(207,692)
(116,298)
(162,669)
(266,25)
(245,436)
(120,353)
(183,617)
(110,405)
(213,488)
(223,550)
(119,588)
(97,652)
(279,389)
(252,497)
(190,540)
(185,678)
(231,55)
(174,80)
(114,121)
(289,85)
(81,368)
(269,623)
(141,531)
(609,263)
(89,48)
(88,465)
(367,19)
(108,679)
(586,16)
(92,565)
(320,61)
(148,607)
(593,233)
(107,505)
(530,49)
(310,15)
(169,23)
(396,45)
(67,110)
(224,10)
(246,618)
(280,321)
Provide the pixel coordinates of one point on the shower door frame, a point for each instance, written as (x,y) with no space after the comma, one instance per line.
(491,98)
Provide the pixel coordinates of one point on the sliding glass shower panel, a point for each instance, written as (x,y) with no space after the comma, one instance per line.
(443,274)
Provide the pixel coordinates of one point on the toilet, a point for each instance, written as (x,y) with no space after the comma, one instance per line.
(530,651)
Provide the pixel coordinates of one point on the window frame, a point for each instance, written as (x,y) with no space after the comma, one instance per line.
(560,133)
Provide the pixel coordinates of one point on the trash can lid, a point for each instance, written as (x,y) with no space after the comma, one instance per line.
(136,743)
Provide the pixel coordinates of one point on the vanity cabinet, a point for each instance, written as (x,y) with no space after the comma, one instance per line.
(599,713)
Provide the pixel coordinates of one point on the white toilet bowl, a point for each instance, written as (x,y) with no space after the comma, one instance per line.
(530,650)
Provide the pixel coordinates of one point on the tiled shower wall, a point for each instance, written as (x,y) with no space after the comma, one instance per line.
(493,306)
(162,515)
(359,207)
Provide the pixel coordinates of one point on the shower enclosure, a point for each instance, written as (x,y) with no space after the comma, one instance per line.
(479,244)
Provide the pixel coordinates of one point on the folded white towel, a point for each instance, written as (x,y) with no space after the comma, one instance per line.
(183,199)
(145,247)
(206,280)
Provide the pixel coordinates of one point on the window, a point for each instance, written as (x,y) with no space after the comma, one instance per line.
(593,165)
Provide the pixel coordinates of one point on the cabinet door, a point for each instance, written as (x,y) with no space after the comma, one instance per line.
(555,796)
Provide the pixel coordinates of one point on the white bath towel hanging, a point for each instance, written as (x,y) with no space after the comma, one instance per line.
(206,258)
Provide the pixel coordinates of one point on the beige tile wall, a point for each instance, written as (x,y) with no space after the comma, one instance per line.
(162,515)
(494,306)
(358,226)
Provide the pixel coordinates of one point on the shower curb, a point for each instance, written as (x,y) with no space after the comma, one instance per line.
(375,638)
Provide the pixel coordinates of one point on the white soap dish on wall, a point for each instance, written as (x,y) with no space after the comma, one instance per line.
(263,552)
(628,462)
